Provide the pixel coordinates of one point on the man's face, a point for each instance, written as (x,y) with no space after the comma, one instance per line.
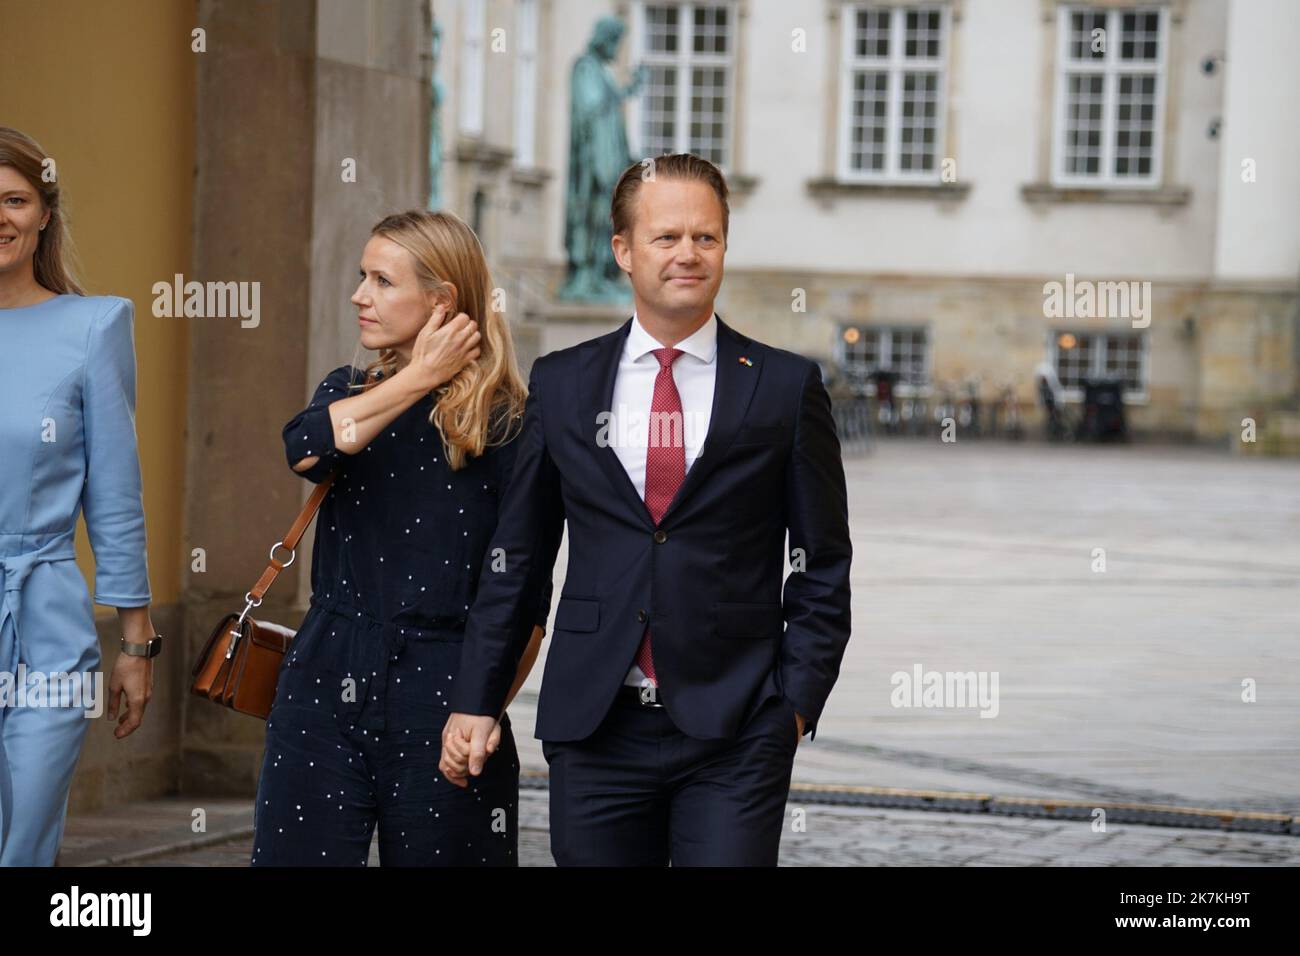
(674,248)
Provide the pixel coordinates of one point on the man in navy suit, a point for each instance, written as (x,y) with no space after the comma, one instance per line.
(680,677)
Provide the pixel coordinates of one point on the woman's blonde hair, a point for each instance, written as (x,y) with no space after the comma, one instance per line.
(487,396)
(53,265)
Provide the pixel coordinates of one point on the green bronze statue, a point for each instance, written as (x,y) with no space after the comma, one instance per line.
(598,154)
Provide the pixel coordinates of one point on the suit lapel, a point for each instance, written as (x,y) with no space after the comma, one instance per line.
(733,389)
(598,368)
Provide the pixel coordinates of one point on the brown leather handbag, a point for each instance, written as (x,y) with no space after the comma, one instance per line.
(240,663)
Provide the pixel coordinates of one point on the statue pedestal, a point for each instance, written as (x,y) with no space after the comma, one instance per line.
(558,325)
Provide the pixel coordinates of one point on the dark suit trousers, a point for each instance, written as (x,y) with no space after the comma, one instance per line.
(639,792)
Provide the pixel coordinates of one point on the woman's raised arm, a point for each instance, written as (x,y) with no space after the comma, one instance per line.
(336,423)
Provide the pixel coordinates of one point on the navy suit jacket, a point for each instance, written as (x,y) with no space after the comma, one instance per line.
(707,578)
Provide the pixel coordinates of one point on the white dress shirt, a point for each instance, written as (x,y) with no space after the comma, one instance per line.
(629,426)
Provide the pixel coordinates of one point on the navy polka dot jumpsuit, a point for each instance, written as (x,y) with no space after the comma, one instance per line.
(354,736)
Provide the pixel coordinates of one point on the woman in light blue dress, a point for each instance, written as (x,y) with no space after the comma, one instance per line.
(67,436)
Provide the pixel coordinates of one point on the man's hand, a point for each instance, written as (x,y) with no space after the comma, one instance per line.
(799,722)
(467,741)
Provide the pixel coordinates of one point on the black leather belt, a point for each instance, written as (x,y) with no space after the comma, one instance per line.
(642,696)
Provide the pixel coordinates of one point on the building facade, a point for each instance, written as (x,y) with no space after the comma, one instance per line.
(954,191)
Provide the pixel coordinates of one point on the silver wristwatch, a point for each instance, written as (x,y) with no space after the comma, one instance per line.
(150,649)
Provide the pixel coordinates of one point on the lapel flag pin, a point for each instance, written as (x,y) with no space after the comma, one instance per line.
(745,361)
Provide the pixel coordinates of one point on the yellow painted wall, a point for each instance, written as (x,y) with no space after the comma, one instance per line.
(107,88)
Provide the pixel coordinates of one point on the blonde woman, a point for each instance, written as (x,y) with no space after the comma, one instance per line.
(67,418)
(421,447)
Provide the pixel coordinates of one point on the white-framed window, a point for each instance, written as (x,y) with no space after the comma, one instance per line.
(473,65)
(1110,96)
(1078,355)
(526,84)
(865,349)
(892,92)
(686,104)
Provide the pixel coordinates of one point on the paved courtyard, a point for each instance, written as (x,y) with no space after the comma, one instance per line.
(1172,676)
(1124,684)
(823,836)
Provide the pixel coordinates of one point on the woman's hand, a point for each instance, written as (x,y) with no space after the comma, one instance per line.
(442,349)
(132,678)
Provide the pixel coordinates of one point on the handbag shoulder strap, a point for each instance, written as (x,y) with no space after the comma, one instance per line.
(290,541)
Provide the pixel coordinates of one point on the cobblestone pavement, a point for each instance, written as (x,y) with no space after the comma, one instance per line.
(821,835)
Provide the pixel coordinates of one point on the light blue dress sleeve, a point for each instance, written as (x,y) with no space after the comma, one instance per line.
(112,497)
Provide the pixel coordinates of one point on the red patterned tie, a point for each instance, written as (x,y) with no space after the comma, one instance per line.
(665,464)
